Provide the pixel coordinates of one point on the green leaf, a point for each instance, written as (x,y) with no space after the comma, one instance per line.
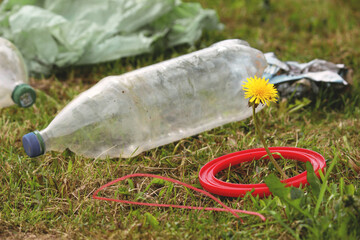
(296,193)
(350,189)
(122,191)
(277,187)
(155,181)
(131,184)
(162,191)
(289,195)
(69,169)
(342,186)
(169,190)
(158,181)
(299,104)
(324,184)
(151,220)
(313,180)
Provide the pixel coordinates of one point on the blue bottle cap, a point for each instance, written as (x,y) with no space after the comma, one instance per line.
(33,144)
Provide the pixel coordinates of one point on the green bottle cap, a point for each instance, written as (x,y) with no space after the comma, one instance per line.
(24,95)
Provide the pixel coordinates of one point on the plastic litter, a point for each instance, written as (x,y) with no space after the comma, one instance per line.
(13,77)
(224,209)
(303,79)
(210,183)
(58,33)
(124,115)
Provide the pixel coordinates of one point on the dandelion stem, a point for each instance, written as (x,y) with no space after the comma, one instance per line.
(259,133)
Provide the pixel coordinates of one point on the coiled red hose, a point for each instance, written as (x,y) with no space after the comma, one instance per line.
(210,183)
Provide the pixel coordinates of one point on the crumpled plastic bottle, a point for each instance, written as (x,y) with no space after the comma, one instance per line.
(13,77)
(122,116)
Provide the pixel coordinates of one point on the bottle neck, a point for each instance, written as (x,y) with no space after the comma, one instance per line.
(24,95)
(41,141)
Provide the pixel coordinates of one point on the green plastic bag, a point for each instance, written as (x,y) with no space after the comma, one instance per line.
(58,33)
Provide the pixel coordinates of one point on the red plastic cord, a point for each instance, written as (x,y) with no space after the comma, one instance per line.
(225,209)
(210,183)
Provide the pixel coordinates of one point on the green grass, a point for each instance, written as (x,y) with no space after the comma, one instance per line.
(50,196)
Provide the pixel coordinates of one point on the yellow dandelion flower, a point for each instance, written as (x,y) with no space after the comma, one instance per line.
(259,90)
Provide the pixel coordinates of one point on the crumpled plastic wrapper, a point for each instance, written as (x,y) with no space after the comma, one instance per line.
(298,80)
(58,33)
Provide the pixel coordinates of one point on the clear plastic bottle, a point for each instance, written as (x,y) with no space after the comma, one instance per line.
(122,116)
(13,77)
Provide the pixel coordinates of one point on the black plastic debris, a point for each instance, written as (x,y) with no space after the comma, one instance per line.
(298,80)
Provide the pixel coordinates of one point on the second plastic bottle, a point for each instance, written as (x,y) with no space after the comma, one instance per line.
(124,115)
(14,87)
